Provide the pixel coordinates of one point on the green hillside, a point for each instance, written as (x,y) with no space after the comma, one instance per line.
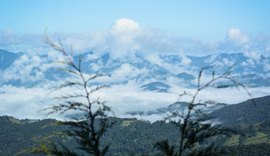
(136,137)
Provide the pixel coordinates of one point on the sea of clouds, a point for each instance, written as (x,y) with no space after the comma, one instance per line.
(125,38)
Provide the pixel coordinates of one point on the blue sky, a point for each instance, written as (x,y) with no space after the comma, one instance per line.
(207,19)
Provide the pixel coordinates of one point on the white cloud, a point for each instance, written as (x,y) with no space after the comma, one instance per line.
(28,102)
(154,59)
(18,70)
(124,71)
(27,69)
(176,68)
(237,36)
(253,55)
(125,25)
(23,102)
(184,59)
(127,37)
(124,33)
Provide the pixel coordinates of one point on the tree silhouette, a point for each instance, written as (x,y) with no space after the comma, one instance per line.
(197,133)
(90,122)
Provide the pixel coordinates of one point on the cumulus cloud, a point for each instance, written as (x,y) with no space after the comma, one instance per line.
(125,25)
(30,69)
(235,35)
(126,72)
(184,59)
(25,69)
(127,37)
(124,33)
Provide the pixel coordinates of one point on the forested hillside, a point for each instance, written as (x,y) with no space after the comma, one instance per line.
(247,112)
(135,137)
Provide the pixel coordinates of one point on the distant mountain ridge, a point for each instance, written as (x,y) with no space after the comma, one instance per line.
(7,58)
(167,69)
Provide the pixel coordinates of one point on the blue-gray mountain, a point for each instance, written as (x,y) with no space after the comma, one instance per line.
(155,72)
(7,58)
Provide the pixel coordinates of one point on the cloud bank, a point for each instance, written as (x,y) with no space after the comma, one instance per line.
(28,102)
(127,37)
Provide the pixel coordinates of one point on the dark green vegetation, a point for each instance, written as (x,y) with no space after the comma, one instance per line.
(18,135)
(128,136)
(136,137)
(248,112)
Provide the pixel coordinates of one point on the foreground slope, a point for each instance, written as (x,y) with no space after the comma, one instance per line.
(131,136)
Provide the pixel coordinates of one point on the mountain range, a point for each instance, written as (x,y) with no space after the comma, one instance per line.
(154,72)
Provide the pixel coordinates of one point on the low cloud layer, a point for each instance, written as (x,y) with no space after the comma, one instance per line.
(28,102)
